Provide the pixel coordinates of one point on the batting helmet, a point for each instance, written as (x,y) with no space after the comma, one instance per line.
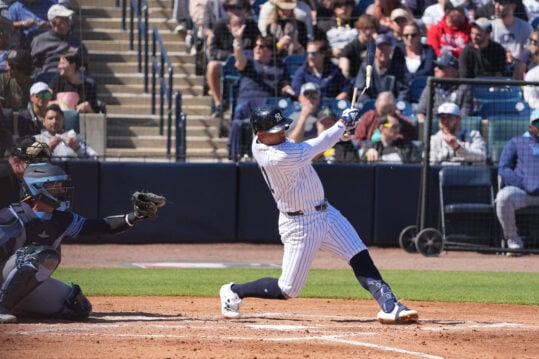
(48,183)
(270,119)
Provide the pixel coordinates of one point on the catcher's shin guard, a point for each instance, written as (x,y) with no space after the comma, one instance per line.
(33,266)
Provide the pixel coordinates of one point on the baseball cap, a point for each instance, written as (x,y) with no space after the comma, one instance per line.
(534,116)
(455,4)
(309,86)
(20,58)
(39,87)
(58,11)
(285,4)
(449,108)
(483,24)
(447,60)
(398,12)
(383,39)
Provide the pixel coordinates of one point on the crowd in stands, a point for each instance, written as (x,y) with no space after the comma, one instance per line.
(414,39)
(44,65)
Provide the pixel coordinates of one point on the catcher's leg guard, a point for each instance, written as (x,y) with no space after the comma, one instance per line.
(33,266)
(370,278)
(76,306)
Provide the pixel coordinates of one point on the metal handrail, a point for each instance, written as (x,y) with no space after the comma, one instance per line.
(181,129)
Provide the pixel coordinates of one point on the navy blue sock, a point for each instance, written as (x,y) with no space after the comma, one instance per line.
(370,278)
(267,288)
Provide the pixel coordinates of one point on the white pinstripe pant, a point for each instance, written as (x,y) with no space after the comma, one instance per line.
(304,235)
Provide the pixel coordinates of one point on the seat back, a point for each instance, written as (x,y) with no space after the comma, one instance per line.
(502,130)
(466,184)
(285,104)
(72,121)
(417,84)
(336,106)
(499,109)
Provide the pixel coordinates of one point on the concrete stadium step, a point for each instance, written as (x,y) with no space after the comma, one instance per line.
(145,98)
(180,81)
(177,58)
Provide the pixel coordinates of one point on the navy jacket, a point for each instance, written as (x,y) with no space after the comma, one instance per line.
(519,164)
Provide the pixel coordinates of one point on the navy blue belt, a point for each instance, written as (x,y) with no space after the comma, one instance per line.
(319,208)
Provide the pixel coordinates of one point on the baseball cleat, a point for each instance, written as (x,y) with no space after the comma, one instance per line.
(7,318)
(230,302)
(515,243)
(399,315)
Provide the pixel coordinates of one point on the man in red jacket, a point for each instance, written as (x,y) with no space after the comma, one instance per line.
(452,33)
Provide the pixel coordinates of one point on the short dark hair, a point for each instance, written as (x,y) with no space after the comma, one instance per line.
(73,57)
(337,3)
(55,107)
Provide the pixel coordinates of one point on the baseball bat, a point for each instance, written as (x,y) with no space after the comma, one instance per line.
(371,48)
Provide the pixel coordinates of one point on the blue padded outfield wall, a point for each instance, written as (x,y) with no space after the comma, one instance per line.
(211,203)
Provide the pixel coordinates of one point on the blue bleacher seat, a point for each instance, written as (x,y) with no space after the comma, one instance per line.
(501,130)
(293,62)
(417,84)
(405,108)
(500,109)
(337,106)
(285,104)
(365,106)
(71,122)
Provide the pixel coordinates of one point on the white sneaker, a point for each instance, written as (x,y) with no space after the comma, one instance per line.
(230,302)
(399,314)
(7,318)
(515,243)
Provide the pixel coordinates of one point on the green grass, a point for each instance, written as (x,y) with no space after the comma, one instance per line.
(438,286)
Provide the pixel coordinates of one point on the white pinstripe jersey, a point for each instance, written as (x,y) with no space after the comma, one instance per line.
(288,171)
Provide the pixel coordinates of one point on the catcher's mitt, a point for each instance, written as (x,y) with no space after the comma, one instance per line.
(146,204)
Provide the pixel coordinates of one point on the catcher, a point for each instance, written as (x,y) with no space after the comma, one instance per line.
(30,236)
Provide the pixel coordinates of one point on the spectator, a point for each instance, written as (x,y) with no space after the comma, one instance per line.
(339,28)
(221,46)
(382,9)
(304,125)
(532,9)
(418,7)
(50,45)
(488,11)
(384,105)
(353,54)
(519,173)
(387,71)
(418,58)
(261,77)
(454,142)
(482,56)
(319,69)
(64,144)
(180,13)
(433,14)
(451,33)
(213,12)
(391,147)
(302,12)
(531,93)
(31,118)
(29,17)
(511,32)
(289,32)
(70,81)
(16,82)
(446,66)
(6,42)
(399,19)
(24,151)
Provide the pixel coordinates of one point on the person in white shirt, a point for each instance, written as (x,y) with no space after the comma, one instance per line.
(64,144)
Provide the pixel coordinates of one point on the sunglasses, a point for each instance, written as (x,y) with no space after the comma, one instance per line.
(392,126)
(262,46)
(311,94)
(415,34)
(312,53)
(533,42)
(44,95)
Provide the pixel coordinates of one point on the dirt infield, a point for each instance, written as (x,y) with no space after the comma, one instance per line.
(186,327)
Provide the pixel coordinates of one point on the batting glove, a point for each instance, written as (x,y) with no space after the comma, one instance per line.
(350,116)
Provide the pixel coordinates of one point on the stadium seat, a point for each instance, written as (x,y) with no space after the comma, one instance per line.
(500,109)
(71,120)
(285,104)
(293,62)
(365,106)
(405,108)
(490,93)
(337,106)
(502,130)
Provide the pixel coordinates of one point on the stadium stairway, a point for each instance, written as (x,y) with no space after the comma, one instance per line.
(132,131)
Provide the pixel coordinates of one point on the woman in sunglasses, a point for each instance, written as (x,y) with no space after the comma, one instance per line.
(419,58)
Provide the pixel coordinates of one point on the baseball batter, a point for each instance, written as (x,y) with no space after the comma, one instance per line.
(307,222)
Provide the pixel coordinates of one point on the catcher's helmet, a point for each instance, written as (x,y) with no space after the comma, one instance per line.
(48,183)
(270,119)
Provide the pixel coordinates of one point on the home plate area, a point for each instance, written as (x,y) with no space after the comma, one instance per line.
(189,327)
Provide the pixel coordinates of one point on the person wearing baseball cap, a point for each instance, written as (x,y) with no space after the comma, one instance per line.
(482,56)
(15,83)
(446,66)
(304,125)
(454,142)
(30,121)
(518,170)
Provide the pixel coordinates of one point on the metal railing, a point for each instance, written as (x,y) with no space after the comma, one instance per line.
(159,62)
